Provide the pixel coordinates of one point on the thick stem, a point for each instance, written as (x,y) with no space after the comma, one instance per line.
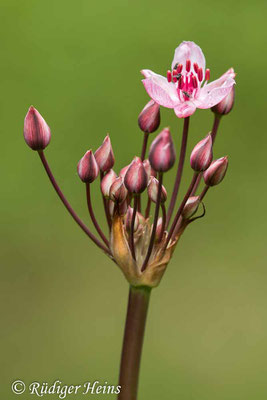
(179,171)
(203,193)
(144,146)
(132,226)
(216,122)
(214,131)
(180,209)
(156,215)
(68,206)
(133,342)
(92,215)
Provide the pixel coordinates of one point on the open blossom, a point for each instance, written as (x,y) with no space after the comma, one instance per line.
(185,88)
(141,236)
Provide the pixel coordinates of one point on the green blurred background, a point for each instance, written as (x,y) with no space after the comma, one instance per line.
(63,302)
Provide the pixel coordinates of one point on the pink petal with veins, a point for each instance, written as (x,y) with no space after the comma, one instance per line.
(185,109)
(211,94)
(189,51)
(161,91)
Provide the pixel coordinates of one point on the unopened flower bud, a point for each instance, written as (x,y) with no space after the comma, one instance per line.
(87,167)
(149,118)
(36,131)
(104,155)
(226,105)
(123,207)
(118,191)
(159,229)
(190,207)
(135,178)
(201,155)
(162,152)
(123,171)
(128,220)
(111,207)
(216,171)
(153,188)
(107,181)
(150,172)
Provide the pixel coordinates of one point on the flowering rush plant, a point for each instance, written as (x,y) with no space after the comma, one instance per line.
(140,239)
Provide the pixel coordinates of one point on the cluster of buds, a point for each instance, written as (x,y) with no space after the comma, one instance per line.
(141,232)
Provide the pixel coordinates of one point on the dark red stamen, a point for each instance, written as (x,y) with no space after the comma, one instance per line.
(186,83)
(188,65)
(200,74)
(179,68)
(194,81)
(181,83)
(169,76)
(196,67)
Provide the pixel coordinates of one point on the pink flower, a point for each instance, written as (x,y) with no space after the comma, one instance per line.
(185,88)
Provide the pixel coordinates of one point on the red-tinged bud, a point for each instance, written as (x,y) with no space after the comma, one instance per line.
(158,230)
(107,181)
(123,171)
(201,155)
(150,172)
(152,190)
(104,155)
(226,105)
(149,118)
(162,152)
(87,167)
(111,207)
(216,171)
(36,131)
(118,191)
(190,207)
(128,220)
(135,179)
(123,207)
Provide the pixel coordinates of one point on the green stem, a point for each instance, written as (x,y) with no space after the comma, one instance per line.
(133,341)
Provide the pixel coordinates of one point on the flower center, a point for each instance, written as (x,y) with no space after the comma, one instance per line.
(188,79)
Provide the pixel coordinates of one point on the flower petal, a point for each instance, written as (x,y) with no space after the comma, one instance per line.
(160,90)
(214,92)
(189,51)
(219,82)
(185,109)
(147,73)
